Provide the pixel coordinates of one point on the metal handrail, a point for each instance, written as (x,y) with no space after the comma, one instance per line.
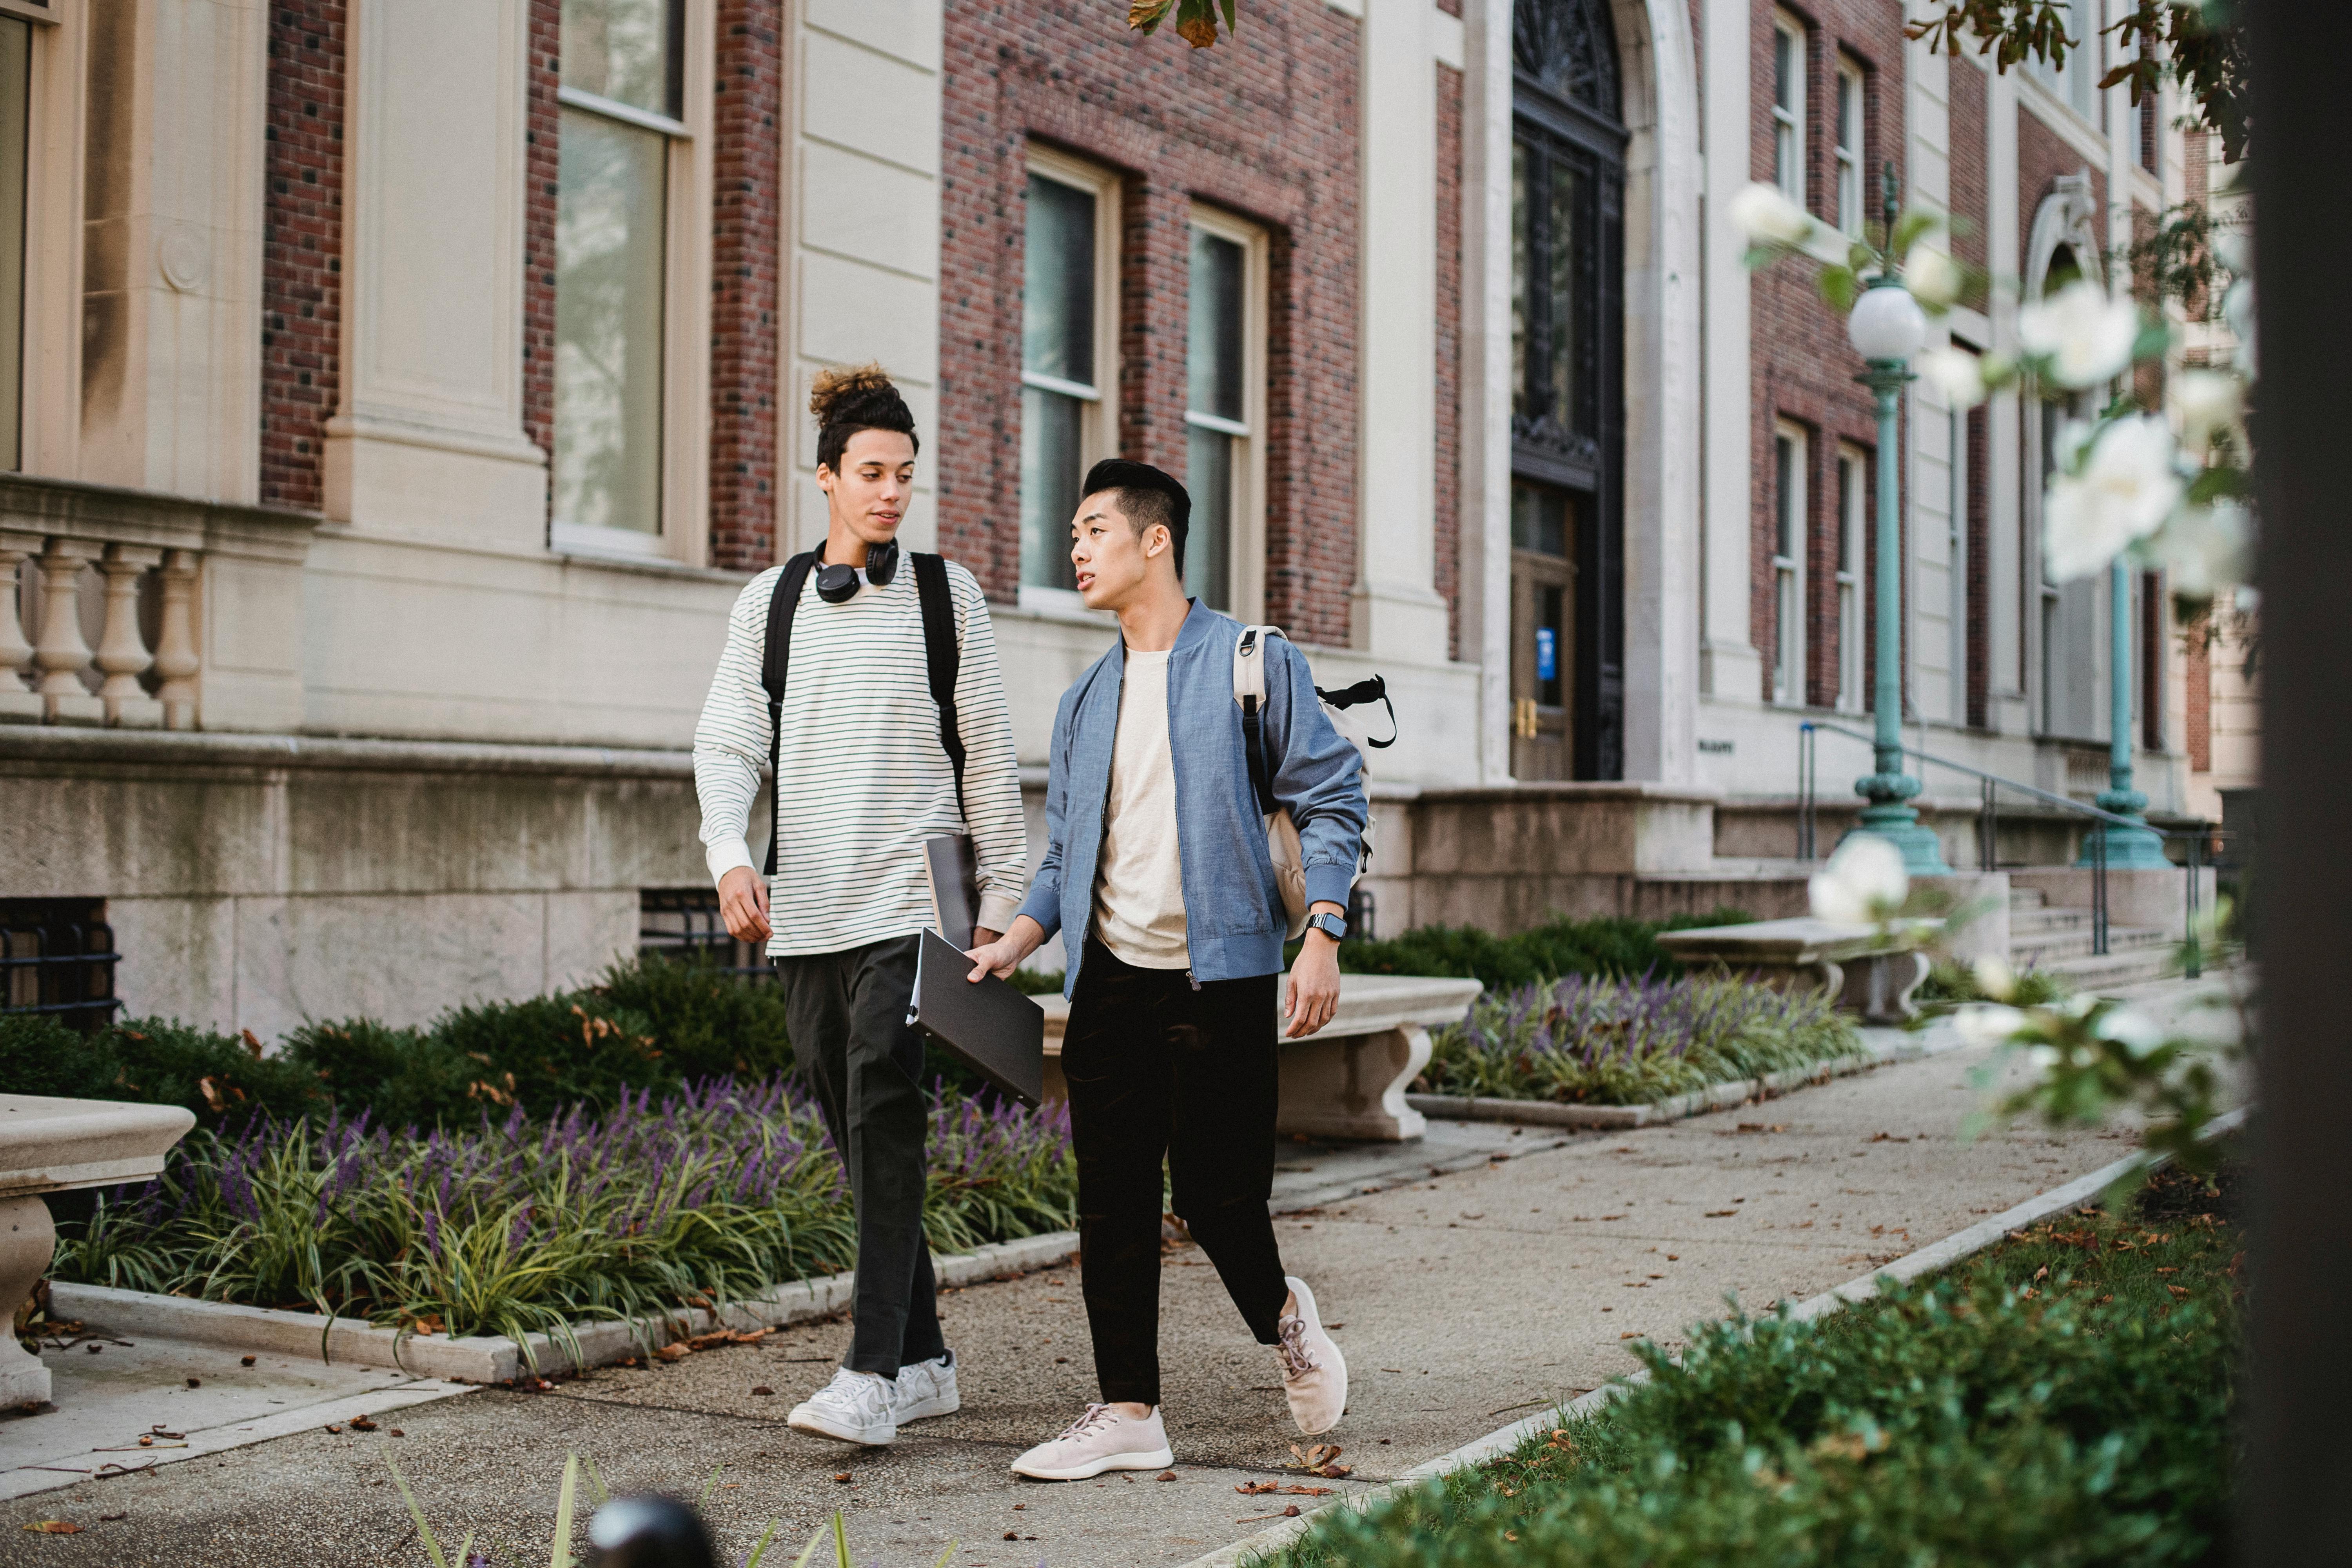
(1988,822)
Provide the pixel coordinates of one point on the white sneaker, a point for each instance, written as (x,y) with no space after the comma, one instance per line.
(854,1407)
(926,1389)
(1313,1373)
(1102,1439)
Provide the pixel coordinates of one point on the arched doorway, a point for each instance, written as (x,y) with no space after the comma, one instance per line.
(1567,511)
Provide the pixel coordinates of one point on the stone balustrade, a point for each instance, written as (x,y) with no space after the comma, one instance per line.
(109,600)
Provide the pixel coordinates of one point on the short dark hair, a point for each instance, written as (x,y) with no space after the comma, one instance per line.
(1149,497)
(862,397)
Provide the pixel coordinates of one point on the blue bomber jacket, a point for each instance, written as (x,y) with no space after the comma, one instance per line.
(1234,921)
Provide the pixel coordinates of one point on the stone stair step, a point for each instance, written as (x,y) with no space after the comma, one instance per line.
(2047,947)
(2023,922)
(2099,976)
(2026,898)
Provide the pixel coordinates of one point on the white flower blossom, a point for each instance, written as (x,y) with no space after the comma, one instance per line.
(2204,549)
(2204,404)
(1994,977)
(1864,883)
(2083,336)
(1955,372)
(1768,217)
(1933,276)
(2238,310)
(2130,1030)
(2043,1057)
(1988,1024)
(2098,504)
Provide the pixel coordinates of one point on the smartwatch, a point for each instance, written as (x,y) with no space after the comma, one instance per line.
(1329,924)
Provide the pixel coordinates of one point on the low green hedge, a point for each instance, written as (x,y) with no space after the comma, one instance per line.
(1604,946)
(656,1023)
(2062,1399)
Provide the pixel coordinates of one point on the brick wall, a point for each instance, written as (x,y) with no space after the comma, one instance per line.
(1971,190)
(1268,131)
(2041,157)
(540,167)
(1449,353)
(747,228)
(1803,365)
(301,248)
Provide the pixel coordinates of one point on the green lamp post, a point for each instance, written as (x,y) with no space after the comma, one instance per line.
(1887,328)
(2138,847)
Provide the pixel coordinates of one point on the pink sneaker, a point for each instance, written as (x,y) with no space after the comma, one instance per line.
(1103,1438)
(1313,1373)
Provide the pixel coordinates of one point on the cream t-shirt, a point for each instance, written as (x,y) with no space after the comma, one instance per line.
(1139,887)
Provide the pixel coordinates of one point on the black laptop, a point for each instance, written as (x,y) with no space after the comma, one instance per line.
(988,1025)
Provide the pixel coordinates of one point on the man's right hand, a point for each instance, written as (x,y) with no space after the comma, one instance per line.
(743,904)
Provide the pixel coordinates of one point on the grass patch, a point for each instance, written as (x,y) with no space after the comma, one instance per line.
(1951,983)
(1607,946)
(2061,1398)
(1630,1042)
(515,1226)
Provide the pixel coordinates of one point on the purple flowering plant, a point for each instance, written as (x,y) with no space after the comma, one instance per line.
(705,1195)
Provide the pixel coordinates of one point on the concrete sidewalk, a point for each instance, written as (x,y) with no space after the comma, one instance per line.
(1463,1300)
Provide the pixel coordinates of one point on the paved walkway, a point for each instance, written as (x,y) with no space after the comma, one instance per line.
(1464,1300)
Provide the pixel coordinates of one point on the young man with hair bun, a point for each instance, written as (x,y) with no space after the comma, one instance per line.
(1157,873)
(864,776)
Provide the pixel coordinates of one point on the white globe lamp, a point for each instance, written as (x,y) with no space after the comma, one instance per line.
(1887,323)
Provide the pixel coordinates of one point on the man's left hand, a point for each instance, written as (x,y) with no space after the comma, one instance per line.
(1313,993)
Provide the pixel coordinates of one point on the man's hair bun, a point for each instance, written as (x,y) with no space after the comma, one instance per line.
(858,397)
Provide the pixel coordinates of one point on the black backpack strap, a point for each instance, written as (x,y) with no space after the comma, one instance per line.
(772,664)
(1372,688)
(1253,738)
(944,656)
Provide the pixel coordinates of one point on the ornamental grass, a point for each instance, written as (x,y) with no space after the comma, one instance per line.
(1603,1041)
(518,1225)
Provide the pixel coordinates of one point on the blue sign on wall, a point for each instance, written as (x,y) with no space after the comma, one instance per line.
(1547,653)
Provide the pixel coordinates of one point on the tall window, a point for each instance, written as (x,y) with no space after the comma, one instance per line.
(1852,515)
(1850,204)
(15,108)
(1788,107)
(1067,354)
(1788,564)
(622,102)
(2076,81)
(1220,412)
(1552,192)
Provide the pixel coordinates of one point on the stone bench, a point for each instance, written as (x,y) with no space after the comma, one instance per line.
(52,1146)
(1866,971)
(1347,1079)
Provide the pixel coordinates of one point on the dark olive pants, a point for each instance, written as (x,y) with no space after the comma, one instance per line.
(847,1012)
(1159,1070)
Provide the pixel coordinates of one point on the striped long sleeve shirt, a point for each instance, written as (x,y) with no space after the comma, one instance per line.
(862,777)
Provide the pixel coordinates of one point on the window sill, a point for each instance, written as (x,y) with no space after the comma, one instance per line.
(1057,604)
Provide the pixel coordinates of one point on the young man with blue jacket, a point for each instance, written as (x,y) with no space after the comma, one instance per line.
(1156,864)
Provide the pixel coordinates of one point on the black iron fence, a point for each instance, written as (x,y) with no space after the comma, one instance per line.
(684,922)
(57,958)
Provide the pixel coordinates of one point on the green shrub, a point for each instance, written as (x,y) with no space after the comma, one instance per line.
(705,1022)
(155,1061)
(1606,1041)
(1608,945)
(2051,1402)
(40,1056)
(1951,983)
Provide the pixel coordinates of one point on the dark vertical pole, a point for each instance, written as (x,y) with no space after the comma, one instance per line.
(2294,1497)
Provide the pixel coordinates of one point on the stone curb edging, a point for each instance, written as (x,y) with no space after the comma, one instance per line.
(1253,1550)
(493,1358)
(1697,1103)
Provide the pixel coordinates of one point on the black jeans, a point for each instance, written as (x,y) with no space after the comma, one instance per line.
(847,1012)
(1158,1068)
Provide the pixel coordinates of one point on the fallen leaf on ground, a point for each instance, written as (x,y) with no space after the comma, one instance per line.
(1262,1489)
(673,1353)
(841,1475)
(245,1360)
(361,1423)
(1721,1214)
(1167,1475)
(762,1388)
(66,1527)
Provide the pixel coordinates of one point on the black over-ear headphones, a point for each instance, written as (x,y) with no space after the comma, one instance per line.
(838,585)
